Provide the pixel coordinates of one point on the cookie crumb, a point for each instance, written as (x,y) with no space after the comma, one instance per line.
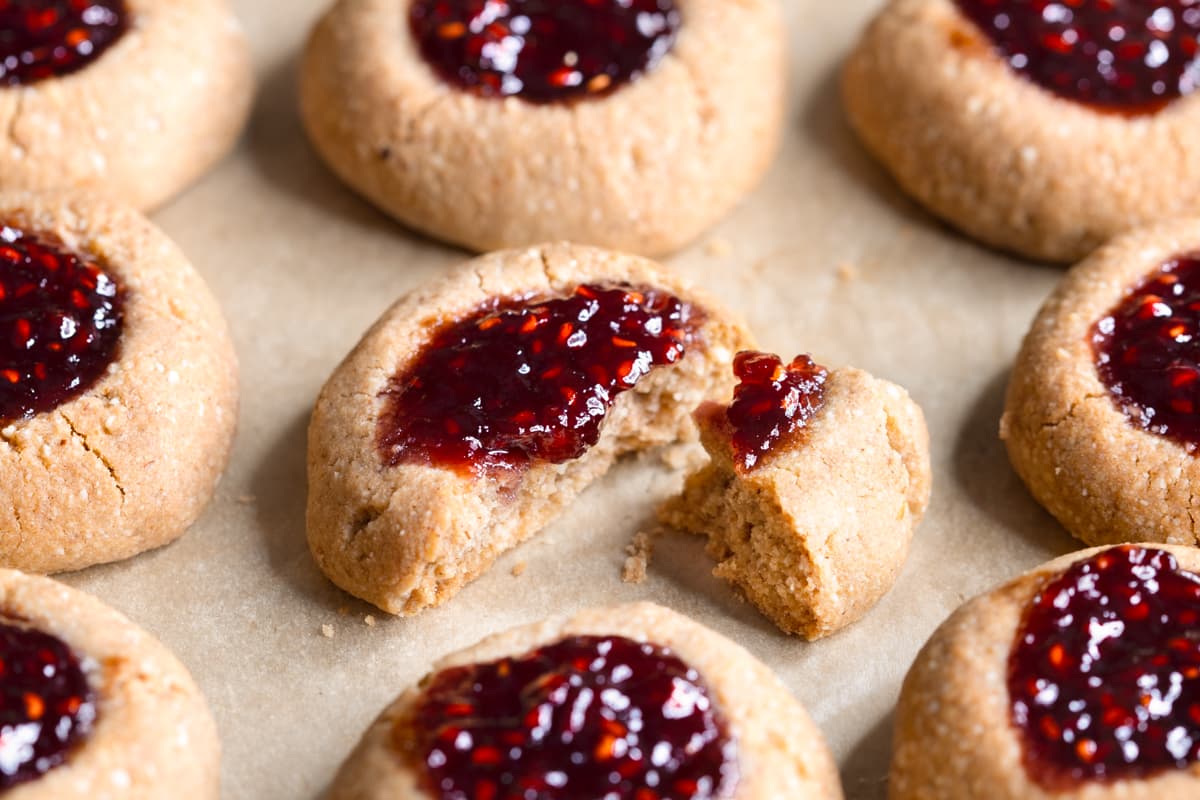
(689,456)
(639,551)
(327,631)
(717,248)
(847,272)
(369,621)
(519,569)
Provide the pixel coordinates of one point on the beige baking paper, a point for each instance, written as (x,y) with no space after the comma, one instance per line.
(827,256)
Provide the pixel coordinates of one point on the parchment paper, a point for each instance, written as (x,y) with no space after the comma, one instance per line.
(826,257)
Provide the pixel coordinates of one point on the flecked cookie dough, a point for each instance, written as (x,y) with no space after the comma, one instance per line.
(816,531)
(998,156)
(779,752)
(152,736)
(1107,478)
(128,463)
(153,111)
(955,735)
(646,167)
(409,536)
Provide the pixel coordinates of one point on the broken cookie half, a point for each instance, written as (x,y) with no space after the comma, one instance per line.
(816,482)
(478,408)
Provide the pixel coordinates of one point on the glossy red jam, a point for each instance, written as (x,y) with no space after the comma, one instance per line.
(1132,56)
(587,717)
(1147,352)
(47,38)
(60,324)
(529,380)
(543,50)
(46,704)
(772,403)
(1104,677)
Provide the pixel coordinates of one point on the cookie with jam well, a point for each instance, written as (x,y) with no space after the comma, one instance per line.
(476,409)
(1080,679)
(1041,128)
(629,124)
(629,703)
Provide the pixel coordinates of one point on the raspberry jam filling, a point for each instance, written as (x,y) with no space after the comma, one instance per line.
(772,403)
(1131,56)
(1104,677)
(543,50)
(47,38)
(594,717)
(522,380)
(46,704)
(1147,352)
(60,323)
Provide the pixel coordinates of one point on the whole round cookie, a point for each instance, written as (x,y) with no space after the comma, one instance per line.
(1100,420)
(1039,128)
(816,483)
(118,386)
(631,702)
(1078,681)
(91,706)
(476,410)
(131,98)
(630,124)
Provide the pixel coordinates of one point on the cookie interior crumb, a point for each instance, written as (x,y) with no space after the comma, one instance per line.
(519,569)
(639,551)
(327,631)
(369,621)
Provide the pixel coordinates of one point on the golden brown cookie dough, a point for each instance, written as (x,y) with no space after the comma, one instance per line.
(999,157)
(817,532)
(780,753)
(153,737)
(1104,478)
(149,115)
(409,536)
(130,463)
(954,735)
(646,168)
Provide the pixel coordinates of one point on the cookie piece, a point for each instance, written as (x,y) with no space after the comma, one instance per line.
(91,706)
(595,122)
(1042,129)
(678,711)
(131,98)
(816,483)
(478,408)
(118,386)
(1076,680)
(1099,418)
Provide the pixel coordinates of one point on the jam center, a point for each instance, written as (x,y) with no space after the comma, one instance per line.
(772,403)
(46,38)
(46,704)
(521,381)
(543,50)
(602,717)
(1147,352)
(1133,56)
(60,324)
(1104,677)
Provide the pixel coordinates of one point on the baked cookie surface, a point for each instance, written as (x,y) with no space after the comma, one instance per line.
(817,481)
(118,387)
(106,710)
(1099,405)
(1034,133)
(554,132)
(131,98)
(757,740)
(1075,680)
(475,410)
